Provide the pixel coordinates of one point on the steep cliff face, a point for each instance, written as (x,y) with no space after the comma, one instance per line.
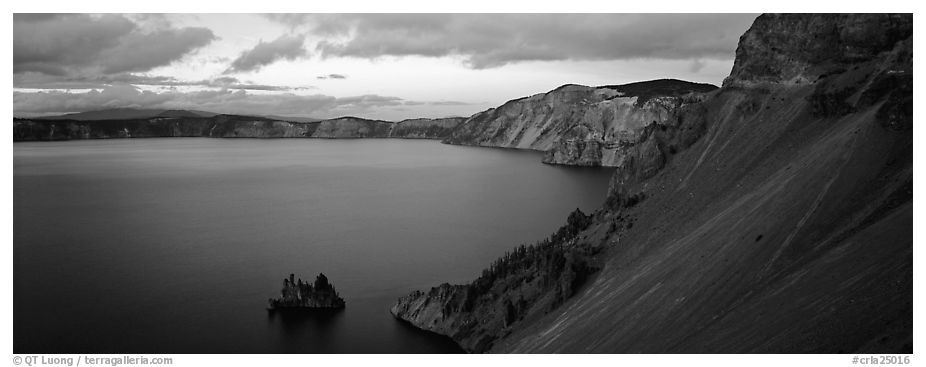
(798,48)
(426,128)
(579,125)
(225,126)
(785,227)
(171,124)
(352,127)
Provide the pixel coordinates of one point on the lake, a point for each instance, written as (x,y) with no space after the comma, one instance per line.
(174,245)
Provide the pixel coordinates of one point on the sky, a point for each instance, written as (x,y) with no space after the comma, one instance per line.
(378,66)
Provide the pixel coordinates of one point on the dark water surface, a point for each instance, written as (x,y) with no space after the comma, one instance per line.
(174,245)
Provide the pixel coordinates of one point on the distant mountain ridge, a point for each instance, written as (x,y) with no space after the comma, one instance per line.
(147,113)
(293,118)
(181,123)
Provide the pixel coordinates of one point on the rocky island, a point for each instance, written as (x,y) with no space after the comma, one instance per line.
(297,294)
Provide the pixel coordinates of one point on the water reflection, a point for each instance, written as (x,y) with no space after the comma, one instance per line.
(294,321)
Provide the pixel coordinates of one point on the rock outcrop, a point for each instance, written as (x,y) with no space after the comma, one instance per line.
(584,126)
(799,48)
(426,128)
(305,295)
(784,226)
(352,127)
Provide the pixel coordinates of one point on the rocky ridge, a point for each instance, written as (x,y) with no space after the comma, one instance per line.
(229,126)
(583,126)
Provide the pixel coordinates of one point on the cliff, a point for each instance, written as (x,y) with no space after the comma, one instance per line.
(785,226)
(798,48)
(352,127)
(585,126)
(305,295)
(426,128)
(174,124)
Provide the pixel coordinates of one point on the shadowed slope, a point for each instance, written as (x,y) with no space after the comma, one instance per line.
(785,227)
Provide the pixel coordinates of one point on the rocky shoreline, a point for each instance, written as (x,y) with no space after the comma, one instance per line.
(526,282)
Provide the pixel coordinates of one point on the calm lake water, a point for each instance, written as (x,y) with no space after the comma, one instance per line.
(174,245)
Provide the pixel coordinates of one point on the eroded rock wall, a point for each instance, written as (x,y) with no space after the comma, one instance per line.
(579,125)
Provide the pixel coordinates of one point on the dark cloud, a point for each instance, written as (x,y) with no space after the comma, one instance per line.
(492,40)
(226,80)
(332,76)
(221,101)
(289,47)
(51,45)
(145,51)
(73,44)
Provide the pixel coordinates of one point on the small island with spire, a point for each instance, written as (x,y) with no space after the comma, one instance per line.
(297,294)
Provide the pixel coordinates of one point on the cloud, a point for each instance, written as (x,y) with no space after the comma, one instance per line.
(366,101)
(288,47)
(234,83)
(494,40)
(72,44)
(143,52)
(42,81)
(319,24)
(291,20)
(696,65)
(436,103)
(448,103)
(332,76)
(221,101)
(119,96)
